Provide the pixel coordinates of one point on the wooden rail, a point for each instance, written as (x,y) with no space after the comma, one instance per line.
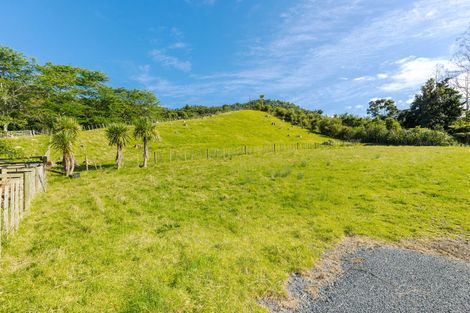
(19,183)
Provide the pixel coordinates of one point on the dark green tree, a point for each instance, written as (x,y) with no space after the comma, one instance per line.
(16,75)
(382,108)
(67,90)
(437,106)
(260,104)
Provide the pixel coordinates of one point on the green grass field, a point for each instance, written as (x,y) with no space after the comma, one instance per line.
(216,235)
(229,130)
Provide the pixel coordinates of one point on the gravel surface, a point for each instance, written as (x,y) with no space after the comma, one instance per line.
(388,279)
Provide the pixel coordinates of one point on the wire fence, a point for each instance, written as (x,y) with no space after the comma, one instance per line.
(21,133)
(173,155)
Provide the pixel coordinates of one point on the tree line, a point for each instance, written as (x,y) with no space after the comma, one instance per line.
(51,96)
(33,96)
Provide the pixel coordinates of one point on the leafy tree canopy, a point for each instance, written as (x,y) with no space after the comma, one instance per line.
(382,108)
(437,106)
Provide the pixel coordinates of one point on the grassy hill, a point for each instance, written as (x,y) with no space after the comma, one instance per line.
(228,130)
(215,235)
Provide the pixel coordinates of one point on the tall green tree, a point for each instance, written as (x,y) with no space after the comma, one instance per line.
(122,105)
(118,135)
(68,90)
(382,108)
(437,106)
(16,76)
(146,130)
(260,104)
(64,140)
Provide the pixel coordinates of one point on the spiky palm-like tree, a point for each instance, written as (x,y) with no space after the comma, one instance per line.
(146,130)
(68,124)
(64,142)
(64,139)
(118,135)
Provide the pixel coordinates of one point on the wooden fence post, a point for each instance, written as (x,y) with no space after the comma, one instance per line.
(274,148)
(12,207)
(245,149)
(17,204)
(6,210)
(21,198)
(1,219)
(155,157)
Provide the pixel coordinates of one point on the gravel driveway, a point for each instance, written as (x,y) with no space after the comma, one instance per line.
(387,279)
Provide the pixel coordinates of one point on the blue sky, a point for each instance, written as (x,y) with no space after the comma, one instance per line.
(332,55)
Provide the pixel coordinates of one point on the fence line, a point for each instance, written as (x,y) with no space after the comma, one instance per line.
(161,120)
(172,155)
(22,133)
(19,183)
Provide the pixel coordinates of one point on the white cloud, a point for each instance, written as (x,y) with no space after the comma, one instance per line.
(364,78)
(371,78)
(201,2)
(413,72)
(170,61)
(178,45)
(315,42)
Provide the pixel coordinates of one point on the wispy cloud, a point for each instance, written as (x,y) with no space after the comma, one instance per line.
(413,72)
(178,45)
(371,78)
(314,43)
(201,2)
(170,61)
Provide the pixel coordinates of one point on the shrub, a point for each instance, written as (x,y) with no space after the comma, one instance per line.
(386,131)
(330,126)
(7,151)
(461,130)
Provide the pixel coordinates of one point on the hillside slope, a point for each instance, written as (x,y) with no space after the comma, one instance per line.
(228,130)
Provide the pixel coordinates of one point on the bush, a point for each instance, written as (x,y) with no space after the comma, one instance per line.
(7,151)
(386,131)
(330,126)
(461,130)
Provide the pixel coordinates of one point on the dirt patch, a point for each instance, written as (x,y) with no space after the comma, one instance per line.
(458,248)
(329,266)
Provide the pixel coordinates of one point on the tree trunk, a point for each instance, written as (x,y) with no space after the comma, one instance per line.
(119,157)
(146,152)
(72,163)
(5,127)
(65,163)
